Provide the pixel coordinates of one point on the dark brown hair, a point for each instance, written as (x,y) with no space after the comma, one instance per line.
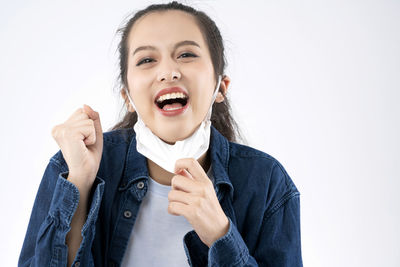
(221,117)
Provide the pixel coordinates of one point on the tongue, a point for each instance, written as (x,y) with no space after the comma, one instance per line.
(173,106)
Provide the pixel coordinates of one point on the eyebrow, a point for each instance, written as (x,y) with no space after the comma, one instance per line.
(182,43)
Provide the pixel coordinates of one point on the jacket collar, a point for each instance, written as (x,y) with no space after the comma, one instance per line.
(219,152)
(136,164)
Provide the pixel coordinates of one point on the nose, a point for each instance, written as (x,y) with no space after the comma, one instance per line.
(169,71)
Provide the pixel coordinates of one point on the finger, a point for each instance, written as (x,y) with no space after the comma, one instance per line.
(179,182)
(85,127)
(86,122)
(78,114)
(79,117)
(185,173)
(177,208)
(179,196)
(89,111)
(86,134)
(193,166)
(95,116)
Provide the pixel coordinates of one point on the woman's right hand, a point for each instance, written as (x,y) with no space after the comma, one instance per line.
(80,139)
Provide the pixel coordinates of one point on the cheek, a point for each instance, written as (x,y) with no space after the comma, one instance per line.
(202,68)
(203,98)
(137,83)
(138,94)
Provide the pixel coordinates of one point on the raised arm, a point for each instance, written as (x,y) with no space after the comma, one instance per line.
(61,215)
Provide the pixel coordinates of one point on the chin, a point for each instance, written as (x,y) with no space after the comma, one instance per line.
(175,134)
(171,138)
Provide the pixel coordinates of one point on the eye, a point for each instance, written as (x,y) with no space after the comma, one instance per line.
(145,60)
(183,55)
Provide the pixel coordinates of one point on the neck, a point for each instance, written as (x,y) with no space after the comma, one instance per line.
(164,177)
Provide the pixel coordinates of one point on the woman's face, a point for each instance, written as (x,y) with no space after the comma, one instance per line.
(168,58)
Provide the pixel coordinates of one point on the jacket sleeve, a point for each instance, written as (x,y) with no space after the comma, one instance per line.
(52,212)
(278,242)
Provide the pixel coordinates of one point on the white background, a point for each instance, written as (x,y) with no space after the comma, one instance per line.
(314,83)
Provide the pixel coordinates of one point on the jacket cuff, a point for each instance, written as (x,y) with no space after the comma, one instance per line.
(196,251)
(66,198)
(229,250)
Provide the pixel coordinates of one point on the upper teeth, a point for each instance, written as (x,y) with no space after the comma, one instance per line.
(171,96)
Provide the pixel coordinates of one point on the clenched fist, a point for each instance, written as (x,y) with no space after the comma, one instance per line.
(80,139)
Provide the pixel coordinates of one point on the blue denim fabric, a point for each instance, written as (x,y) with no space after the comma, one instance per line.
(257,195)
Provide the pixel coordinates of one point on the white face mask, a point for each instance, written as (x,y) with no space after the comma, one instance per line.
(164,154)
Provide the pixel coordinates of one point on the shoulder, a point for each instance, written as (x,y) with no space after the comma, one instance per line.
(260,173)
(250,156)
(118,137)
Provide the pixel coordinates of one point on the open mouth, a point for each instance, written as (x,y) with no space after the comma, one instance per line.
(170,102)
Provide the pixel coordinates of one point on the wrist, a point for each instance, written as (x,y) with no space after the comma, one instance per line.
(223,231)
(81,182)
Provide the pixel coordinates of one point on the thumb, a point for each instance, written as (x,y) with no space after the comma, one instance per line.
(96,119)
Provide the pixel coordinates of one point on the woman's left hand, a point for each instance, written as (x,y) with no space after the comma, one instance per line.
(193,196)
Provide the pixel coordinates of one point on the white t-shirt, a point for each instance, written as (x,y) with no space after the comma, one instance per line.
(157,236)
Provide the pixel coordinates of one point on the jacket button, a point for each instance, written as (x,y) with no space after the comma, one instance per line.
(77,264)
(140,185)
(127,214)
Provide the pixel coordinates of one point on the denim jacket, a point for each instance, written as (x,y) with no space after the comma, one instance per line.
(257,195)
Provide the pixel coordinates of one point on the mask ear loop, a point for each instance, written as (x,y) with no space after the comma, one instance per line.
(131,101)
(208,115)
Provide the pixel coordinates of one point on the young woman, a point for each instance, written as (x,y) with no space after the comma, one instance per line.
(167,186)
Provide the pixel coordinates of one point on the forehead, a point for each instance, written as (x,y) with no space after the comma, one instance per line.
(165,28)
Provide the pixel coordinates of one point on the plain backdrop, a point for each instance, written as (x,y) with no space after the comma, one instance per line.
(314,84)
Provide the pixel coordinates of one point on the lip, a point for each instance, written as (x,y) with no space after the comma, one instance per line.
(170,90)
(175,112)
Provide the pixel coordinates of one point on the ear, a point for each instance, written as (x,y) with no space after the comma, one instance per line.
(225,81)
(126,99)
